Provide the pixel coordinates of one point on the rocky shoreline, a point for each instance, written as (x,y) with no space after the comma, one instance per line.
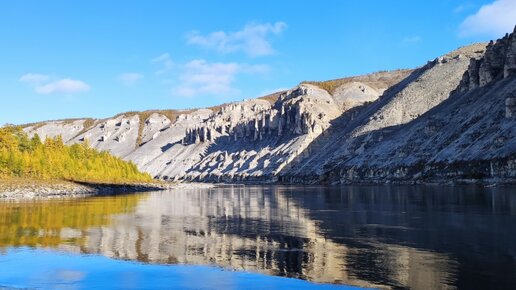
(41,190)
(30,190)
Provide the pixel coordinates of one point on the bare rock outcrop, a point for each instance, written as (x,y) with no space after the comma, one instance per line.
(452,118)
(370,125)
(253,138)
(499,62)
(462,133)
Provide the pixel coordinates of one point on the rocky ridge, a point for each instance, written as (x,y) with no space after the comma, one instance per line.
(249,139)
(468,134)
(450,119)
(499,62)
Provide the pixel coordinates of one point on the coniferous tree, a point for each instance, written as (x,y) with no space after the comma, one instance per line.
(52,159)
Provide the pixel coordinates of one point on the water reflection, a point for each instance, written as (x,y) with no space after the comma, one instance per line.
(402,237)
(51,224)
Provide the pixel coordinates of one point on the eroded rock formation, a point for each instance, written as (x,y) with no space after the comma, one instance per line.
(499,62)
(452,118)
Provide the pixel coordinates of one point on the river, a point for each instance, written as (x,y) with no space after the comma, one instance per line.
(259,237)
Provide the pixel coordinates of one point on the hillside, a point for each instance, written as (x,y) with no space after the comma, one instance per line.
(450,119)
(21,157)
(179,144)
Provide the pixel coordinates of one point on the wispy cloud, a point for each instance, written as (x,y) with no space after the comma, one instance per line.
(66,86)
(411,39)
(33,78)
(492,20)
(201,77)
(43,84)
(459,8)
(165,62)
(129,79)
(252,39)
(463,7)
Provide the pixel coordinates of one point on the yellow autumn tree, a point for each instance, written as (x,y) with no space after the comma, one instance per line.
(21,156)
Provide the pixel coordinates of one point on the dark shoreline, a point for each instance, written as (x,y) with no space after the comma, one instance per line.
(36,189)
(110,188)
(316,181)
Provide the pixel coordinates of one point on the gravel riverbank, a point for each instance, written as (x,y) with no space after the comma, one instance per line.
(21,189)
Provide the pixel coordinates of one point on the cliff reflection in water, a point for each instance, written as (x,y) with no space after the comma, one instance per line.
(417,237)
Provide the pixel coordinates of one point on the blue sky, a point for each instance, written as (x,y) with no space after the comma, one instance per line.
(63,59)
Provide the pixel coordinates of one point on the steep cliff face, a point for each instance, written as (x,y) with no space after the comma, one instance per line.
(499,62)
(467,133)
(261,144)
(249,140)
(452,118)
(368,126)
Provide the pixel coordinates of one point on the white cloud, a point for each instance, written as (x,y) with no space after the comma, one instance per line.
(63,86)
(459,8)
(201,77)
(464,7)
(44,84)
(492,20)
(32,78)
(252,39)
(412,39)
(129,79)
(165,61)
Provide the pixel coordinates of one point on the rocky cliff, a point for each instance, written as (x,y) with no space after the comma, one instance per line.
(252,139)
(450,119)
(438,127)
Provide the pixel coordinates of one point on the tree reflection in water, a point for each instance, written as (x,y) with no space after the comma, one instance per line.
(420,237)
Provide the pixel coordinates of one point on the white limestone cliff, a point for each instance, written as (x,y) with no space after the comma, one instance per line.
(451,118)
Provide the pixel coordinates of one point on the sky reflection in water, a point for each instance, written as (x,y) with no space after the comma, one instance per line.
(50,269)
(418,237)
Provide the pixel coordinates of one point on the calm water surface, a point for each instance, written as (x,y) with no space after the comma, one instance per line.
(414,237)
